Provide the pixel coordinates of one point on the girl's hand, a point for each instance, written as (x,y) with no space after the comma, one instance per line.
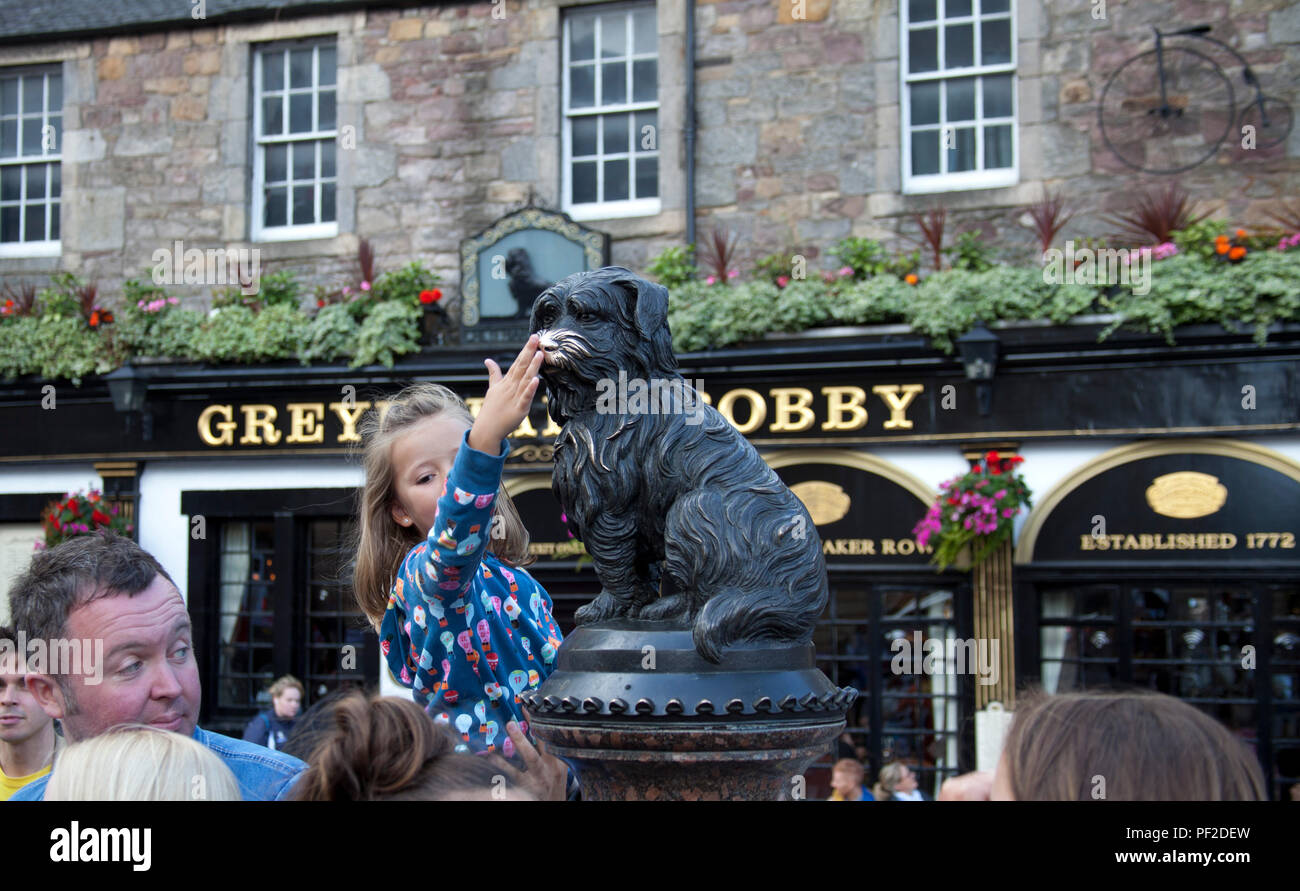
(546,776)
(508,399)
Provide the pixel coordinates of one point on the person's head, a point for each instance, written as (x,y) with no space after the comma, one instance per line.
(21,716)
(105,598)
(380,748)
(846,777)
(897,777)
(409,449)
(286,697)
(1129,746)
(136,762)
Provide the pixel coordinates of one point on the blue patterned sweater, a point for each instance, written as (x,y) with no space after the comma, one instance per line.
(464,631)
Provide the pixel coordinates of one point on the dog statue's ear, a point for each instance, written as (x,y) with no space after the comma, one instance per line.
(651,304)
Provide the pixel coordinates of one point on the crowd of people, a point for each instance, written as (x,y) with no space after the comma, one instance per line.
(440,574)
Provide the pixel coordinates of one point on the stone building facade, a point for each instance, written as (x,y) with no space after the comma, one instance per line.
(447,116)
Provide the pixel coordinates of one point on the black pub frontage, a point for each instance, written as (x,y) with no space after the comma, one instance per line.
(1160,551)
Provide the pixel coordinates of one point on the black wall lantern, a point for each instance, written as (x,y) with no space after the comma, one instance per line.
(129,387)
(979,355)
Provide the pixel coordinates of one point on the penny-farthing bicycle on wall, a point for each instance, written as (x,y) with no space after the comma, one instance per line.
(1170,108)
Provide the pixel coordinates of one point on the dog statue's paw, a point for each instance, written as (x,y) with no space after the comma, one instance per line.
(668,608)
(605,606)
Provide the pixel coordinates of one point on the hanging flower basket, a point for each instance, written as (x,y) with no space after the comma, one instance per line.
(77,515)
(977,510)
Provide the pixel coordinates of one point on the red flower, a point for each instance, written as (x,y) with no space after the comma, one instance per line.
(320,301)
(1016,459)
(952,500)
(991,458)
(430,296)
(99,518)
(994,471)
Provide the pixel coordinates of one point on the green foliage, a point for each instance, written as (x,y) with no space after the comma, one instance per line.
(52,346)
(865,256)
(237,334)
(332,334)
(1198,238)
(775,266)
(60,299)
(274,289)
(674,267)
(971,252)
(404,284)
(391,329)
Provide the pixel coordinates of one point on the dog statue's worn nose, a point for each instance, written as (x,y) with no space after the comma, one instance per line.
(548,347)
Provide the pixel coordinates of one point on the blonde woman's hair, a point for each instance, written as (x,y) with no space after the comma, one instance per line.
(1145,745)
(285,683)
(888,779)
(136,762)
(381,544)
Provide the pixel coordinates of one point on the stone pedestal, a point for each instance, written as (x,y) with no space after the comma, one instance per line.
(641,716)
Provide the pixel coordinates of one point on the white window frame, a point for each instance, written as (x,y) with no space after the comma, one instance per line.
(48,247)
(258,231)
(632,207)
(967,179)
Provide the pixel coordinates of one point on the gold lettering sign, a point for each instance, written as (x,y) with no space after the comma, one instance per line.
(826,502)
(1186,495)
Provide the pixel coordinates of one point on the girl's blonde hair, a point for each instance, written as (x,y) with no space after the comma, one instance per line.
(136,762)
(381,543)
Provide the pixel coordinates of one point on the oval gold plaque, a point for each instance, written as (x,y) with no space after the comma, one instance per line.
(1186,494)
(826,502)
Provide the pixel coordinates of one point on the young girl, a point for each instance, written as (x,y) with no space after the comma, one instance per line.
(439,563)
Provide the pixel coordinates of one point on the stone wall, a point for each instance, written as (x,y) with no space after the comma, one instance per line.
(456,117)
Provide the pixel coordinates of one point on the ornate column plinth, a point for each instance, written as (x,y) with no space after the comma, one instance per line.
(641,716)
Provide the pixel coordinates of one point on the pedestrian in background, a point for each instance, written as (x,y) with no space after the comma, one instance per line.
(272,727)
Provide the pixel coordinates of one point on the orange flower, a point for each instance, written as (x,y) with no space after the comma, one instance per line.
(1241,233)
(1237,253)
(1221,247)
(911,278)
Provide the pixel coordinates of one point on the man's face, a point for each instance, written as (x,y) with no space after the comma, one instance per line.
(149,675)
(21,716)
(842,782)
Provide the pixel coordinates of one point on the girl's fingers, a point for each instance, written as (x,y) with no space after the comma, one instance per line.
(494,371)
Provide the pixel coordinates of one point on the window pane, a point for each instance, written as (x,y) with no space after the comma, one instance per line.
(584,182)
(615,133)
(997,96)
(304,160)
(997,147)
(963,156)
(35,223)
(954,8)
(54,222)
(613,83)
(987,6)
(56,180)
(304,205)
(582,38)
(9,223)
(921,10)
(326,111)
(273,71)
(645,83)
(961,99)
(582,86)
(328,64)
(925,152)
(11,183)
(644,31)
(995,41)
(959,46)
(616,184)
(613,35)
(9,95)
(327,162)
(33,94)
(275,207)
(300,68)
(9,138)
(300,113)
(56,92)
(276,162)
(584,136)
(925,103)
(327,199)
(35,181)
(56,121)
(31,130)
(922,50)
(647,131)
(647,177)
(273,116)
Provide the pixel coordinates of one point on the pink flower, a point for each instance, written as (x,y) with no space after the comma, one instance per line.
(710,280)
(346,290)
(733,273)
(365,286)
(845,270)
(1000,494)
(173,301)
(967,523)
(1008,511)
(782,280)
